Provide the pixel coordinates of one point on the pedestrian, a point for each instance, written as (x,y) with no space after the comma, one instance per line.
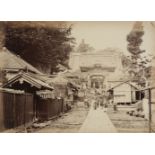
(114,106)
(95,103)
(86,103)
(105,107)
(101,102)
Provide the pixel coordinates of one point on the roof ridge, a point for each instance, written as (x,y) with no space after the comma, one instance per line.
(127,81)
(30,78)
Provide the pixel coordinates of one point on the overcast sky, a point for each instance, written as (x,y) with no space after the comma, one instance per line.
(101,35)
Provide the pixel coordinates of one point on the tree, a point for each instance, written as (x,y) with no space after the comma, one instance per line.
(139,62)
(45,45)
(126,62)
(134,39)
(83,47)
(2,34)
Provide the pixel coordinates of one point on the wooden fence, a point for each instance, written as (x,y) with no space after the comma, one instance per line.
(150,95)
(49,108)
(15,109)
(20,109)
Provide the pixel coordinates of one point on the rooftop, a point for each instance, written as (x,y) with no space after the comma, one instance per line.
(29,78)
(10,61)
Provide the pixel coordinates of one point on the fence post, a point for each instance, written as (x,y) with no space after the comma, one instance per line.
(150,110)
(24,111)
(14,111)
(140,95)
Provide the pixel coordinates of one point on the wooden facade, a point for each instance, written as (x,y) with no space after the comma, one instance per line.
(124,93)
(48,108)
(16,109)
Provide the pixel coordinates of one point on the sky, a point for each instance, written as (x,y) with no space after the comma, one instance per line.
(101,35)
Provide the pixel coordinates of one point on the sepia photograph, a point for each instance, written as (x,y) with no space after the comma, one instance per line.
(77,77)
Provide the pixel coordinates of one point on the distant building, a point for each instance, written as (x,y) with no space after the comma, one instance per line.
(96,68)
(106,58)
(125,92)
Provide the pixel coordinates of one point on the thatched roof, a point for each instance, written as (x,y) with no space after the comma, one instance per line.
(11,62)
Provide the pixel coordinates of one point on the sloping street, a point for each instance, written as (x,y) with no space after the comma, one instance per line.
(82,120)
(97,121)
(70,122)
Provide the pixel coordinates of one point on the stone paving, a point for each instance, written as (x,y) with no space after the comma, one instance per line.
(97,121)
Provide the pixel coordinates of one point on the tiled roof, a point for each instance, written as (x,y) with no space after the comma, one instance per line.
(58,80)
(30,79)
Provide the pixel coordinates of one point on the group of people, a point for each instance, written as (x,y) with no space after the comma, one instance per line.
(100,101)
(97,101)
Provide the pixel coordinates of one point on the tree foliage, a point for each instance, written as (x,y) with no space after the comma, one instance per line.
(45,45)
(134,42)
(139,64)
(126,62)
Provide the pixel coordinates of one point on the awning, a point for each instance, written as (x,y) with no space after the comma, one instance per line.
(13,91)
(46,94)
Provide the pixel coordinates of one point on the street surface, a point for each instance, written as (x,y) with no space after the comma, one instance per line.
(97,121)
(80,119)
(83,120)
(70,122)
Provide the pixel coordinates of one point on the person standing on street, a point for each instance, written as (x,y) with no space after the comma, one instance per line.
(114,106)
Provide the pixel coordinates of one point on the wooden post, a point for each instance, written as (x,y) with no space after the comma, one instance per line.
(140,95)
(131,95)
(150,110)
(25,111)
(14,111)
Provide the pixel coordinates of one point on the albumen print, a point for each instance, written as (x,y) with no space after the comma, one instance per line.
(77,77)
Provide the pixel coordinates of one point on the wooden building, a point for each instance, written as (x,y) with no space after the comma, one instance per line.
(29,84)
(16,108)
(12,64)
(124,93)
